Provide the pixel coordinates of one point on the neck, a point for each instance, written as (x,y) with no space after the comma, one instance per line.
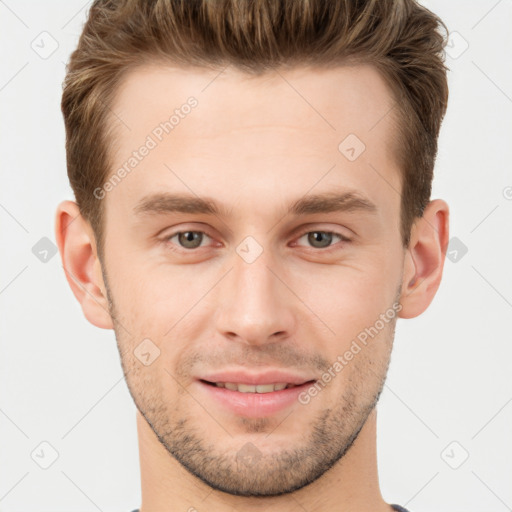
(351,484)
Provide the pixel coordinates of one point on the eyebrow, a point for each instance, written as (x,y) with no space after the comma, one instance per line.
(162,203)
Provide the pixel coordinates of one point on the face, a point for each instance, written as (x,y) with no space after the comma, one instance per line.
(287,272)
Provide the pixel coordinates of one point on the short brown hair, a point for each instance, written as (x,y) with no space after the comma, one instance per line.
(399,37)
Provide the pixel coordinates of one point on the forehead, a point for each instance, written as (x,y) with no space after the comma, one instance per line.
(335,99)
(283,130)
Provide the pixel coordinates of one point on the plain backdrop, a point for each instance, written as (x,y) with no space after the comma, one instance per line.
(445,415)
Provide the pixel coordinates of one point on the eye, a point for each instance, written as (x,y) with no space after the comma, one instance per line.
(322,239)
(188,239)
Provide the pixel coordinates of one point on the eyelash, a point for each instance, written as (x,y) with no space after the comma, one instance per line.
(326,249)
(342,238)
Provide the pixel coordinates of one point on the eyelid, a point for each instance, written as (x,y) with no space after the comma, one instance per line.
(329,231)
(199,227)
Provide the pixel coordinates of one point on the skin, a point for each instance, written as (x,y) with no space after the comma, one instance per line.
(255,145)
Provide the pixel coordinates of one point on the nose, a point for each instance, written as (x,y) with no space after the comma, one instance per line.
(256,306)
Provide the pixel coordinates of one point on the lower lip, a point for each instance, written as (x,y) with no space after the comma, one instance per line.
(255,405)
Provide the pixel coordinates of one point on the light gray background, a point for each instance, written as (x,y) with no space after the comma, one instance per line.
(450,377)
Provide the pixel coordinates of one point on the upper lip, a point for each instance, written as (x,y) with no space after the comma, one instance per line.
(266,377)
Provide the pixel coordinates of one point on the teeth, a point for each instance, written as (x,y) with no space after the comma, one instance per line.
(249,388)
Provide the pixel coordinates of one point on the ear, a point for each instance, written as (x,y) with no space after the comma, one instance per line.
(424,259)
(77,247)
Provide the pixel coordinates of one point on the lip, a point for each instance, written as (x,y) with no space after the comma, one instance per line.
(253,405)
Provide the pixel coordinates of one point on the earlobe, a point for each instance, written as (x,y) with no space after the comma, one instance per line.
(82,267)
(424,259)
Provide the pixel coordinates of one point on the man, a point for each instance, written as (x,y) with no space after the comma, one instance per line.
(253,214)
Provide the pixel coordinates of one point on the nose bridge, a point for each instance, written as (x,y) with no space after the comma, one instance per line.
(254,304)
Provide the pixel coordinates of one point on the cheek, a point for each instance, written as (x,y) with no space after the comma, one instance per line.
(348,297)
(351,303)
(166,306)
(145,294)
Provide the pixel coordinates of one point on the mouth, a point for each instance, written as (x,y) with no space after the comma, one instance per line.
(252,400)
(255,388)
